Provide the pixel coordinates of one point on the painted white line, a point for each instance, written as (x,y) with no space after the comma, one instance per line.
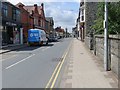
(45,48)
(8,58)
(19,61)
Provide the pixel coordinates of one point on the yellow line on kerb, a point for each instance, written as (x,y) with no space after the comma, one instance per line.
(52,75)
(64,57)
(47,86)
(58,67)
(53,83)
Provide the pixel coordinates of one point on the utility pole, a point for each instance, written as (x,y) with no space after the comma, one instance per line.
(66,32)
(106,58)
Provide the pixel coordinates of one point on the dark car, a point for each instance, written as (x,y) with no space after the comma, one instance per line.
(53,39)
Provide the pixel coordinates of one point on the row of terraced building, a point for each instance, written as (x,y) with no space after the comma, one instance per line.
(18,19)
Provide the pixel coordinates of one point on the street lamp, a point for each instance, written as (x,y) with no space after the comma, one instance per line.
(106,58)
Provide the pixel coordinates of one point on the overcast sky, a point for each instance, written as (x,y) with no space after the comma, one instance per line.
(64,12)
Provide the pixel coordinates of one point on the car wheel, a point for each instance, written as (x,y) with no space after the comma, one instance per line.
(41,43)
(29,44)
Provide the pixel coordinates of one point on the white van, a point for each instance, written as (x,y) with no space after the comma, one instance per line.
(37,36)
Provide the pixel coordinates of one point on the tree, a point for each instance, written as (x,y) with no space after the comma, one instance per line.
(113,18)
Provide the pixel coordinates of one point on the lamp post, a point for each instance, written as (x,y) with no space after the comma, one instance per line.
(106,53)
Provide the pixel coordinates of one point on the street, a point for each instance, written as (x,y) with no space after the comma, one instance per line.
(58,65)
(32,67)
(59,44)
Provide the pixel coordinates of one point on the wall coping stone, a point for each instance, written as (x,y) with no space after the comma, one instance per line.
(115,37)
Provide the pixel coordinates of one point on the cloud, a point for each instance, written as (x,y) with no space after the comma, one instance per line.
(62,17)
(61,12)
(36,1)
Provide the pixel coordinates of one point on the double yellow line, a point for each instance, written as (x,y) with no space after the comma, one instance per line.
(56,72)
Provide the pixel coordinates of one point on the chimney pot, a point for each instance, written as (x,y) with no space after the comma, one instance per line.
(35,5)
(42,4)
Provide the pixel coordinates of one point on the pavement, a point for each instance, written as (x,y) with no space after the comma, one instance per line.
(8,48)
(83,70)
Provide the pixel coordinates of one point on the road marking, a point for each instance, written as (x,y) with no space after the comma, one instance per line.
(19,61)
(8,58)
(52,75)
(53,83)
(45,48)
(57,69)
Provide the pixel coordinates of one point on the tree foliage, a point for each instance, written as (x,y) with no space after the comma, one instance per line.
(113,18)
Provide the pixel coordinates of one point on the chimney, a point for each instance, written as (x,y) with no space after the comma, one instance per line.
(35,5)
(20,5)
(42,5)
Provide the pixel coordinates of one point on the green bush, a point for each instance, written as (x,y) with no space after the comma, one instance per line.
(113,18)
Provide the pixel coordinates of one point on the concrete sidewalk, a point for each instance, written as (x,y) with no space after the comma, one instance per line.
(84,70)
(9,48)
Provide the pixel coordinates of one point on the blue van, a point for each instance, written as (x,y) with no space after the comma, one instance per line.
(37,36)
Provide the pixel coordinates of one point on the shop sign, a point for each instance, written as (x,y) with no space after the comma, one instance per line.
(11,24)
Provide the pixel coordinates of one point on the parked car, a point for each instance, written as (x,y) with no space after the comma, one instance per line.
(53,39)
(37,36)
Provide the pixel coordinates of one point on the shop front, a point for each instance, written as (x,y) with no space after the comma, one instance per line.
(10,33)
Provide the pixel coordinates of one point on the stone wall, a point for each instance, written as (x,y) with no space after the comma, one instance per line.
(97,43)
(90,16)
(99,47)
(114,50)
(87,41)
(115,53)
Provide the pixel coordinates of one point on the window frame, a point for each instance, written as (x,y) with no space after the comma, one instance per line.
(4,10)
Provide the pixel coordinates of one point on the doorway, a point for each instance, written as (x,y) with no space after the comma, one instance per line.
(10,34)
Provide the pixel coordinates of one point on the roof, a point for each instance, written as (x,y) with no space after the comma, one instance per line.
(49,19)
(30,9)
(59,29)
(7,2)
(20,4)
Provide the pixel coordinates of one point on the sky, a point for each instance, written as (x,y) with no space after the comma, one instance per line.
(64,12)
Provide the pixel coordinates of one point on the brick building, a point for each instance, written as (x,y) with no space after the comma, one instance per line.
(50,26)
(26,20)
(38,14)
(11,24)
(60,31)
(47,27)
(32,17)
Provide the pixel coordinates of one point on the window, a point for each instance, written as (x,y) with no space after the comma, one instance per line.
(82,18)
(36,21)
(82,11)
(5,10)
(16,15)
(41,22)
(82,3)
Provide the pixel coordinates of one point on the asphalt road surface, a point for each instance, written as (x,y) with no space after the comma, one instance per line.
(32,67)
